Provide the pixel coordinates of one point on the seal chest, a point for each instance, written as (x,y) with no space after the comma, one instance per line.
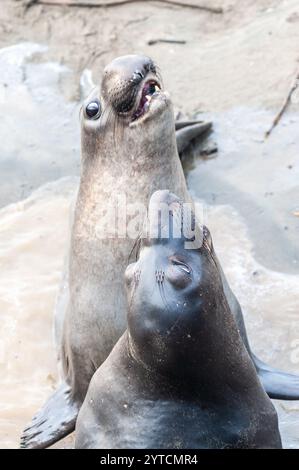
(180,376)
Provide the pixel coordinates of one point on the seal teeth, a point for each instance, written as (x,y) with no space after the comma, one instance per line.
(149,89)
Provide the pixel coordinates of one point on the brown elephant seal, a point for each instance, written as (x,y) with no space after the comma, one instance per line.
(129,149)
(180,376)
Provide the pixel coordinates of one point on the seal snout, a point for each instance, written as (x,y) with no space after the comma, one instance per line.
(164,217)
(164,196)
(128,67)
(129,84)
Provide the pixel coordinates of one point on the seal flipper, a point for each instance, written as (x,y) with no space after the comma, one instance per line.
(186,131)
(55,420)
(279,385)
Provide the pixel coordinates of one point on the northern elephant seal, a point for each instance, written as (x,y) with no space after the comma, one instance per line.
(180,376)
(128,148)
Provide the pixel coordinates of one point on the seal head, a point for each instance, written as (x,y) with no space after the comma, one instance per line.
(120,113)
(176,297)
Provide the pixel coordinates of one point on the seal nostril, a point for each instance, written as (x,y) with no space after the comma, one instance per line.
(137,76)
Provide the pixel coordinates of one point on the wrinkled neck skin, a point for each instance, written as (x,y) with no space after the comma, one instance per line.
(130,148)
(129,160)
(203,357)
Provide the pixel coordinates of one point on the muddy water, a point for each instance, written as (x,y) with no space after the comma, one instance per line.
(259,178)
(39,130)
(250,196)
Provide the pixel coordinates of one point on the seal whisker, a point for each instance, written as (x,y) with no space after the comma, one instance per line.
(80,111)
(159,76)
(118,130)
(162,294)
(136,246)
(130,300)
(111,120)
(174,324)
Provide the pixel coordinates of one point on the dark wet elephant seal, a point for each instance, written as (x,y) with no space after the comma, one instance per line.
(180,376)
(128,148)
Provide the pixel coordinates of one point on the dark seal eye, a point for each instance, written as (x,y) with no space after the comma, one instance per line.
(93,109)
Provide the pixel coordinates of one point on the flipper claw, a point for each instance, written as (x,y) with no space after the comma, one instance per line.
(54,421)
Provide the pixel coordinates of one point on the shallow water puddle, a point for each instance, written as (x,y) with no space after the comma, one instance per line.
(39,130)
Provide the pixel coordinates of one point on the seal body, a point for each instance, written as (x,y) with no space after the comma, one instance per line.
(129,150)
(180,376)
(97,304)
(132,170)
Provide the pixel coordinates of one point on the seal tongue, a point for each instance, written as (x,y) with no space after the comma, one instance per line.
(149,89)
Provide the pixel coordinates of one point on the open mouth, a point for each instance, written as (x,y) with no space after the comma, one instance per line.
(149,90)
